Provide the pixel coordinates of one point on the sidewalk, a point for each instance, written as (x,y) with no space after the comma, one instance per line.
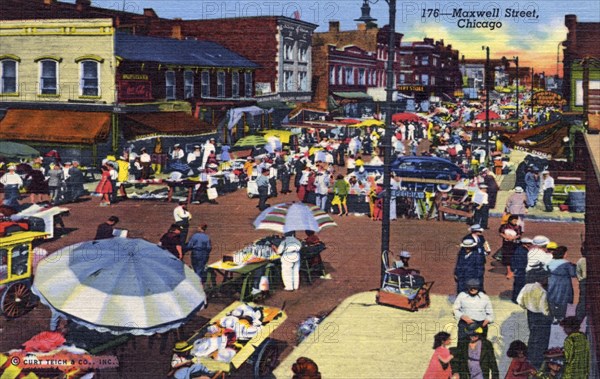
(506,184)
(361,339)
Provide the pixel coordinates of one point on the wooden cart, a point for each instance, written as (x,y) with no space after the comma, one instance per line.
(260,351)
(16,273)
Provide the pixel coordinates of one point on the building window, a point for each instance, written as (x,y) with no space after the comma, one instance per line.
(332,75)
(9,76)
(349,75)
(434,61)
(425,79)
(417,79)
(288,81)
(425,60)
(248,83)
(188,84)
(235,84)
(433,80)
(303,81)
(221,84)
(288,51)
(362,80)
(416,60)
(303,54)
(402,79)
(89,82)
(340,76)
(48,77)
(170,85)
(205,83)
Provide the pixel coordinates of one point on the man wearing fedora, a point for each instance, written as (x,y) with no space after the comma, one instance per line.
(482,208)
(538,257)
(469,265)
(548,190)
(472,307)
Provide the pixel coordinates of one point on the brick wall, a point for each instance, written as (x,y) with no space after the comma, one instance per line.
(252,38)
(591,247)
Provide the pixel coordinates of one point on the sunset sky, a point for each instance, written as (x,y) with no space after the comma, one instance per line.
(534,40)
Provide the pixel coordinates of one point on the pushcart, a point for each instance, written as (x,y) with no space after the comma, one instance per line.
(260,350)
(17,265)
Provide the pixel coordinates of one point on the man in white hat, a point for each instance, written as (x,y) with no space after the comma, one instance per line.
(476,234)
(537,257)
(469,265)
(482,209)
(12,182)
(209,148)
(404,257)
(548,190)
(177,154)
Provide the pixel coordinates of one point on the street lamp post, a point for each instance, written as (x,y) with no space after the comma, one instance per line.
(532,89)
(486,83)
(387,138)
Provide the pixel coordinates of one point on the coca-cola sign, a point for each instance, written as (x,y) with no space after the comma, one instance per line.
(135,89)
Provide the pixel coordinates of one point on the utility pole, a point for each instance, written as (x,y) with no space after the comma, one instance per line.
(387,138)
(486,82)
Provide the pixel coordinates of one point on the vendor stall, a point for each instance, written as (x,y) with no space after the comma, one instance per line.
(238,334)
(242,267)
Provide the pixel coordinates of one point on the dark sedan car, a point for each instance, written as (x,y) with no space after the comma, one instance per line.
(422,167)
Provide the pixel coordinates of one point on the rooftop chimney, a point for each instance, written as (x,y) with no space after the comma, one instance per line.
(149,12)
(82,5)
(334,26)
(361,27)
(176,32)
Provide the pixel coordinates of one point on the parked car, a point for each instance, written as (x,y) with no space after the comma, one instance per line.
(422,167)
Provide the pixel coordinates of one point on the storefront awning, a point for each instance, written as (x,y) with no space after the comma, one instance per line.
(55,126)
(137,126)
(353,95)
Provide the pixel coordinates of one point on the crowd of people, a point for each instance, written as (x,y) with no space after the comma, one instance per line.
(542,285)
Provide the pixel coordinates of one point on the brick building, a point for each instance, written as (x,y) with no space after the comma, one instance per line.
(281,46)
(349,67)
(581,43)
(429,68)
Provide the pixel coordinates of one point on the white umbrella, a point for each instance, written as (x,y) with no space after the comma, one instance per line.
(286,217)
(120,286)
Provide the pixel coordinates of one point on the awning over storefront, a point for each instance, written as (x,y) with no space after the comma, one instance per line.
(55,126)
(353,95)
(137,126)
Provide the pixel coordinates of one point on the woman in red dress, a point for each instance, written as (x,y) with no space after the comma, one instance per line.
(104,186)
(439,365)
(519,366)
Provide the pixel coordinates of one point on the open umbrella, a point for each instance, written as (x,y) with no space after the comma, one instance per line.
(368,123)
(253,140)
(120,286)
(287,217)
(493,116)
(17,150)
(405,116)
(283,135)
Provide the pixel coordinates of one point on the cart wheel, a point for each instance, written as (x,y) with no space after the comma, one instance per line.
(266,359)
(17,300)
(250,196)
